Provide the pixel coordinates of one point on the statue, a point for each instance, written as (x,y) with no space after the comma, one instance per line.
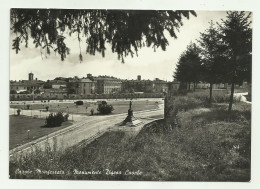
(130,105)
(130,114)
(130,120)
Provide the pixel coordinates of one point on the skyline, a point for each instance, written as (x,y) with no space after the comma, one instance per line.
(148,64)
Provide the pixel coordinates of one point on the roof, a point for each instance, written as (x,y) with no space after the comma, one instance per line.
(82,80)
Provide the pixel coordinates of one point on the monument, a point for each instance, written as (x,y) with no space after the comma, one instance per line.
(130,119)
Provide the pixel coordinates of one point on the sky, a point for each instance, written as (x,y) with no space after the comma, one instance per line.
(148,64)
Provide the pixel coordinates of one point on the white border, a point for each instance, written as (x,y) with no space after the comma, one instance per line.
(249,5)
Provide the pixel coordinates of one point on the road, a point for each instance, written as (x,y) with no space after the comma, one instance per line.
(86,127)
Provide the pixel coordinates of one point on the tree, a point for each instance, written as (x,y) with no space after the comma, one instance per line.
(213,60)
(104,108)
(125,30)
(236,35)
(189,66)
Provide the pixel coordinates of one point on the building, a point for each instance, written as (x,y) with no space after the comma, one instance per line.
(202,85)
(107,84)
(58,84)
(81,86)
(161,86)
(174,86)
(26,86)
(139,85)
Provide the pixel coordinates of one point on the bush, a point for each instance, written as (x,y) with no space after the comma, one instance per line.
(104,108)
(92,111)
(218,96)
(79,102)
(184,103)
(56,119)
(18,112)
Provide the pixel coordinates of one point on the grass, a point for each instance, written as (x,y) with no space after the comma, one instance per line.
(119,106)
(208,146)
(218,96)
(19,125)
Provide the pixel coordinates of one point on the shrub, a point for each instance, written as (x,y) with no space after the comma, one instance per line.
(104,108)
(92,111)
(218,96)
(184,103)
(56,119)
(18,112)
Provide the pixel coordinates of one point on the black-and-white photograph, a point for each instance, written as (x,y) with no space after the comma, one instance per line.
(130,95)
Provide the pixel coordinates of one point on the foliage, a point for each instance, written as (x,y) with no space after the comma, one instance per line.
(184,103)
(201,150)
(18,112)
(125,30)
(104,108)
(212,50)
(221,96)
(213,61)
(236,36)
(92,111)
(56,119)
(189,65)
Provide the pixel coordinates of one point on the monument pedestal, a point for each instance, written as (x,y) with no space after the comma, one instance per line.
(130,120)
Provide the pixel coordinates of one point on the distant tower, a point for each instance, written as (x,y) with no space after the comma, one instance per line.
(30,76)
(139,77)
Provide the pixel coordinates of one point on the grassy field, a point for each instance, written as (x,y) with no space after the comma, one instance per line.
(70,107)
(19,125)
(208,145)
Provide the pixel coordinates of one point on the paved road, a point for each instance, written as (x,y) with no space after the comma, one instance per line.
(86,127)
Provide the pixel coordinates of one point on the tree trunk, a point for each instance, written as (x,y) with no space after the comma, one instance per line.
(194,86)
(189,86)
(231,97)
(232,85)
(210,93)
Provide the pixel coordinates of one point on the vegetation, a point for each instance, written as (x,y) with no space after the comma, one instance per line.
(104,108)
(54,120)
(213,61)
(236,35)
(189,60)
(125,30)
(120,106)
(19,125)
(208,145)
(225,52)
(18,112)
